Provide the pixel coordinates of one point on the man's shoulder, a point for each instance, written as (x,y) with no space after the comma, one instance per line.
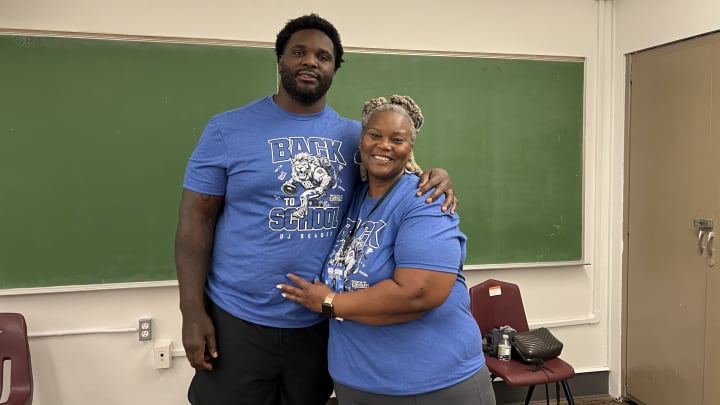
(348,128)
(248,113)
(352,125)
(330,112)
(250,108)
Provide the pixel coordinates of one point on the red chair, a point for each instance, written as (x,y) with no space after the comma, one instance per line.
(496,303)
(14,347)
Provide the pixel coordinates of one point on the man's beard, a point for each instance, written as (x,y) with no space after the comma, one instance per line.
(309,96)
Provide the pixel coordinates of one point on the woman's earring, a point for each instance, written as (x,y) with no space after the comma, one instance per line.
(363,170)
(356,157)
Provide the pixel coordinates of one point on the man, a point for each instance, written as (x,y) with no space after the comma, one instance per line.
(264,192)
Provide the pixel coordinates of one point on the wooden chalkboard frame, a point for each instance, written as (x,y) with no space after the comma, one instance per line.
(96,133)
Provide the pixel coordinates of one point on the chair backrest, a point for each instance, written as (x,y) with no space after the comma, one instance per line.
(14,347)
(495,303)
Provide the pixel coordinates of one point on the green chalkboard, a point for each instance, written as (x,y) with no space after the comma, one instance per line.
(95,134)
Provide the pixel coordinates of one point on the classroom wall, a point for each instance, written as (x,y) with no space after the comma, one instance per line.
(84,346)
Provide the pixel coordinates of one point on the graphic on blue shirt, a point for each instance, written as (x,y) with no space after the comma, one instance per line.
(358,240)
(316,176)
(311,186)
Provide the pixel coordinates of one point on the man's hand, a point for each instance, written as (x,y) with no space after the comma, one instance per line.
(438,180)
(198,335)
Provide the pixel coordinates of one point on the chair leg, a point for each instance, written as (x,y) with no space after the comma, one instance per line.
(557,392)
(547,395)
(568,394)
(529,394)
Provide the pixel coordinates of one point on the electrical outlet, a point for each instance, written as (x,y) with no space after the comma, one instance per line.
(162,354)
(145,329)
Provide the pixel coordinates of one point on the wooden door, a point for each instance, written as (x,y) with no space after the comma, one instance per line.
(712,305)
(672,179)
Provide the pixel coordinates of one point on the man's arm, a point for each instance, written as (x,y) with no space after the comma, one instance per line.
(197,217)
(439,180)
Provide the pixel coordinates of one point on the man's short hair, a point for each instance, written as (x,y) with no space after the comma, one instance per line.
(309,22)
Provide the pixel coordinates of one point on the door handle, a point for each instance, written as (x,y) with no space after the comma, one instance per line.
(710,240)
(702,225)
(701,245)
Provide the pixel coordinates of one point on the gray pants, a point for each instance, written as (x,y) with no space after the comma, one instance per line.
(476,390)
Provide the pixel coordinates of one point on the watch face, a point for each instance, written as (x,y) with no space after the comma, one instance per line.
(327,310)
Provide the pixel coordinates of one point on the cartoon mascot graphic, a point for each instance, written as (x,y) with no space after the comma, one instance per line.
(315,174)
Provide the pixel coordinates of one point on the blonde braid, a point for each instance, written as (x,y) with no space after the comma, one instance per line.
(404,105)
(412,109)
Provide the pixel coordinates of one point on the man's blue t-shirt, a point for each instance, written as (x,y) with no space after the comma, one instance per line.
(287,181)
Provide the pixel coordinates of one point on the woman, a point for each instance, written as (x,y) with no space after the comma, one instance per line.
(401,329)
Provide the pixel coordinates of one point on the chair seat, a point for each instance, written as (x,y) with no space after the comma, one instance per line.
(516,373)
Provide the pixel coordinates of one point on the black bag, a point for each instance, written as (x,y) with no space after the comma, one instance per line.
(535,346)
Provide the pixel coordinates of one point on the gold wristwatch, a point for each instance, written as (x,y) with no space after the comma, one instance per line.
(327,307)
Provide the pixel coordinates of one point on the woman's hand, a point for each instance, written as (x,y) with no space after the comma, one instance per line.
(310,295)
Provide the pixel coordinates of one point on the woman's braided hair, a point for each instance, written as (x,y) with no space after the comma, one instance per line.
(404,105)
